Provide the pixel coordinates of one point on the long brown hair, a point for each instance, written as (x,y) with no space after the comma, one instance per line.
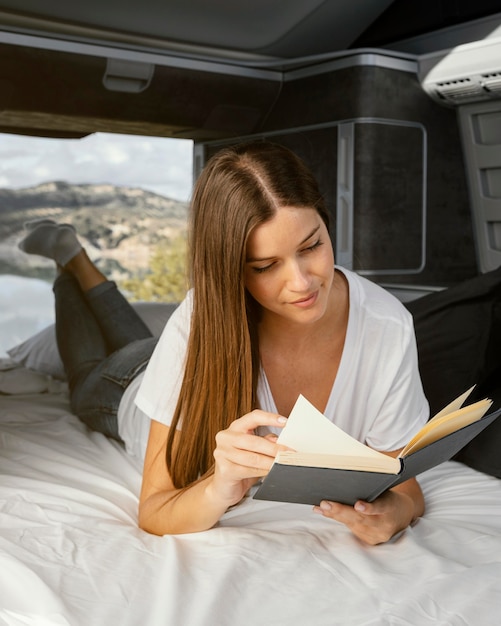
(241,187)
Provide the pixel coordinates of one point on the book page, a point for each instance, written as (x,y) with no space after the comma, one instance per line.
(444,424)
(454,405)
(383,463)
(309,431)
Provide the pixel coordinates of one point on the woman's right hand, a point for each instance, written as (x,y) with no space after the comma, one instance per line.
(242,457)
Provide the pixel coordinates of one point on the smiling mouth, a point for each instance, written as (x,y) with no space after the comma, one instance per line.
(307,300)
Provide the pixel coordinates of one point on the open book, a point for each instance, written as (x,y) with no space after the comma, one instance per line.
(328,464)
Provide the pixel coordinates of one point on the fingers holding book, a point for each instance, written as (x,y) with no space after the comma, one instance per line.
(362,520)
(242,457)
(377,522)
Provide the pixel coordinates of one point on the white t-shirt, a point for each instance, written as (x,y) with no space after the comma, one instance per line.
(377,396)
(133,424)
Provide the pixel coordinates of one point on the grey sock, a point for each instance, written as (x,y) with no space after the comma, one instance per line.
(53,241)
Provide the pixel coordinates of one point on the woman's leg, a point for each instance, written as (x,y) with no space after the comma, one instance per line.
(98,375)
(96,399)
(79,339)
(103,343)
(110,364)
(117,319)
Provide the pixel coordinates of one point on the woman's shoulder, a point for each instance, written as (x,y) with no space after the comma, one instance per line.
(373,299)
(183,311)
(178,325)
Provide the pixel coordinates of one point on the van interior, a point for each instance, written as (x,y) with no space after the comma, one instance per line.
(395,106)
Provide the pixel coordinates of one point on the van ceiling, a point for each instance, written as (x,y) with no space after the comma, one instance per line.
(260,28)
(56,79)
(280,28)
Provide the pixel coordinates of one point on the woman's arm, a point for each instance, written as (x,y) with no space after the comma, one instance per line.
(241,457)
(378,521)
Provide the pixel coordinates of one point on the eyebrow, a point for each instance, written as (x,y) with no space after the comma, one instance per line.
(256,260)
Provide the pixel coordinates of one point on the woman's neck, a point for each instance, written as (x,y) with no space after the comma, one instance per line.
(305,358)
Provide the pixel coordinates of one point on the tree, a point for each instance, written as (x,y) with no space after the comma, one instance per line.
(166,280)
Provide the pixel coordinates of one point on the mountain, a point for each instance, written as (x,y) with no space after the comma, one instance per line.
(120,226)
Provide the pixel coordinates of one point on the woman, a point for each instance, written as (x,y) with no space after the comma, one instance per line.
(269,317)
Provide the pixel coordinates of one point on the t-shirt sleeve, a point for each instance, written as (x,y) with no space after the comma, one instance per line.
(159,391)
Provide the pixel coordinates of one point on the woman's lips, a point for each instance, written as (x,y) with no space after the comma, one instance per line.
(306,301)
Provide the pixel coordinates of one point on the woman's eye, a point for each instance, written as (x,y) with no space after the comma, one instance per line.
(261,270)
(314,246)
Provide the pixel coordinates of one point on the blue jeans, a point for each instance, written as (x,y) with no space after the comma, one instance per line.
(103,344)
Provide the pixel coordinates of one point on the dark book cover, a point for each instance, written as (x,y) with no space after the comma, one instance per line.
(311,485)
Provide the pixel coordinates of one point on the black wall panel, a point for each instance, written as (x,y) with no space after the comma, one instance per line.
(408,169)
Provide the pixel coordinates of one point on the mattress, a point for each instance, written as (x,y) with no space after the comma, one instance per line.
(71,552)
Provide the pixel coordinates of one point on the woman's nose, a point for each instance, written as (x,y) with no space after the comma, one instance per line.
(297,276)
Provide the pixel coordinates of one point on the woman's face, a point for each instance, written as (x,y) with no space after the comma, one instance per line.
(290,265)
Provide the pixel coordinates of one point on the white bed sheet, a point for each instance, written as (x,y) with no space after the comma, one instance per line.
(71,552)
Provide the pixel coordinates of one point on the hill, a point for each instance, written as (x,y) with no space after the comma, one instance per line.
(120,226)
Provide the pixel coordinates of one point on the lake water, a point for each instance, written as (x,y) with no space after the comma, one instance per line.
(27,306)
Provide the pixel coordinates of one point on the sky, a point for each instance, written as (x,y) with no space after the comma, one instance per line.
(156,164)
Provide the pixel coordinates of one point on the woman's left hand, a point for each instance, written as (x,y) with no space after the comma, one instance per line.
(378,521)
